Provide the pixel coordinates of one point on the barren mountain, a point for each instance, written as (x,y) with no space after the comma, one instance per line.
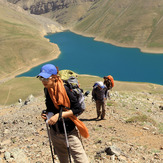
(125,23)
(22,40)
(132,129)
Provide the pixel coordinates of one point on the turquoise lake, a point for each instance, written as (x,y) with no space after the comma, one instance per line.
(86,56)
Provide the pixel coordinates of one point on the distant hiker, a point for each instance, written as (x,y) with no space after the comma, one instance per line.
(58,98)
(99,94)
(109,82)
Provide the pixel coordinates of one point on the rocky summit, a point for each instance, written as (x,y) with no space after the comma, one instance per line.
(41,7)
(130,133)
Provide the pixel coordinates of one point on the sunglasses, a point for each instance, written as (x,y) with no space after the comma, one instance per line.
(44,79)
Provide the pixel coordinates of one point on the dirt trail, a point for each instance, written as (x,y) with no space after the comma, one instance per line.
(129,133)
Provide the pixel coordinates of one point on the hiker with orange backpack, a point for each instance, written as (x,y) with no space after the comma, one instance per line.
(62,106)
(99,95)
(109,82)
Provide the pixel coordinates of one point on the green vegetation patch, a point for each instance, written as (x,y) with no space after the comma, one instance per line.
(22,87)
(140,118)
(155,44)
(160,126)
(22,44)
(19,88)
(86,82)
(110,103)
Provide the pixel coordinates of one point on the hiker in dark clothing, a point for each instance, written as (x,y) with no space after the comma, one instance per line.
(99,94)
(107,82)
(58,95)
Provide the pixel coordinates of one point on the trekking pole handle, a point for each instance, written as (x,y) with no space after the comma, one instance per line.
(86,93)
(44,112)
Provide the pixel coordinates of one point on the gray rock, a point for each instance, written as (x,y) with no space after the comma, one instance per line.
(7,155)
(29,99)
(19,155)
(113,150)
(1,160)
(161,107)
(145,128)
(20,100)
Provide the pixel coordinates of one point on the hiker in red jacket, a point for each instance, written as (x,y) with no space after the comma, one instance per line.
(109,82)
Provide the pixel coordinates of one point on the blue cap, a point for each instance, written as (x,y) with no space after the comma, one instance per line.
(47,70)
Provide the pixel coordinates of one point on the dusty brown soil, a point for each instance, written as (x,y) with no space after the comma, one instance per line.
(138,142)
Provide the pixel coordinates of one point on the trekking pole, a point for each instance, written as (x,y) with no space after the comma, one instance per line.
(51,149)
(64,127)
(48,132)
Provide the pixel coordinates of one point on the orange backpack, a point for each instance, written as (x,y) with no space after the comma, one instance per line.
(112,80)
(109,82)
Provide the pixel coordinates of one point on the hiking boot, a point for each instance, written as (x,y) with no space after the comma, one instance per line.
(102,118)
(98,117)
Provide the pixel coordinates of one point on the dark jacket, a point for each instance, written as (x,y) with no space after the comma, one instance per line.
(75,107)
(99,94)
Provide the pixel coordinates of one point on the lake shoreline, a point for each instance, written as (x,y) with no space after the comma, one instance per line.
(25,69)
(22,70)
(71,44)
(112,42)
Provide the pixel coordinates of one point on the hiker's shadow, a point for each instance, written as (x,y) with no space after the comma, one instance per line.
(92,119)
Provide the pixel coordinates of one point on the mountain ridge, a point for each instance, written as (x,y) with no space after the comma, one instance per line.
(47,23)
(125,23)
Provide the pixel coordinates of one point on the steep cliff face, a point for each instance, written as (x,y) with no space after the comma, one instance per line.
(44,6)
(66,12)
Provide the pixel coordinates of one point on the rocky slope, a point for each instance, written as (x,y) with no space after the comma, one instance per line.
(24,138)
(44,6)
(61,11)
